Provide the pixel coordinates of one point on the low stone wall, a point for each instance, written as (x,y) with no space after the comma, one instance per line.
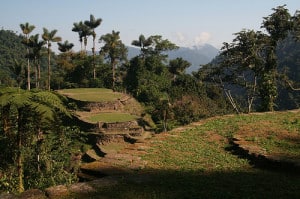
(261,158)
(117,125)
(103,106)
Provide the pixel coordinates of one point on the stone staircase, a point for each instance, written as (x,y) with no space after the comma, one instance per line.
(116,145)
(113,159)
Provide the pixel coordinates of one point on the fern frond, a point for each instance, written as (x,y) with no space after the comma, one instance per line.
(51,100)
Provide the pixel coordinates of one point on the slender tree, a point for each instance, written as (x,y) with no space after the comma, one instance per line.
(83,31)
(27,29)
(93,24)
(77,28)
(36,46)
(48,37)
(114,50)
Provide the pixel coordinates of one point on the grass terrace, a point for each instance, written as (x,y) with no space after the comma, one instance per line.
(111,117)
(92,94)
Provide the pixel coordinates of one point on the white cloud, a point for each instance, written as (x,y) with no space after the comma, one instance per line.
(202,38)
(186,40)
(180,36)
(181,39)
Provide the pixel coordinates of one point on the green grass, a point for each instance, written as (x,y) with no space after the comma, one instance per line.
(111,117)
(91,94)
(194,163)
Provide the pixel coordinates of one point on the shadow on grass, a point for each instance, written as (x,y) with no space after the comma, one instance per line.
(287,165)
(146,184)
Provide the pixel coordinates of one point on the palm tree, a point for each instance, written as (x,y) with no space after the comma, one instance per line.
(36,46)
(48,37)
(27,29)
(65,47)
(114,50)
(83,31)
(77,28)
(143,43)
(65,58)
(177,66)
(93,23)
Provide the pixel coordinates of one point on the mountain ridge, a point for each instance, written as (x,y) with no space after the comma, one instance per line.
(196,55)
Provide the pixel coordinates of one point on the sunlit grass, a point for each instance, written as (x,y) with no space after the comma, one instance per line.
(111,117)
(194,163)
(92,94)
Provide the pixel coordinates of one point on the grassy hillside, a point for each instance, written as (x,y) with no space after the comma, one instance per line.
(197,161)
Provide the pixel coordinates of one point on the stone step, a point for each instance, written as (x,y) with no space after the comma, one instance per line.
(100,168)
(138,139)
(90,156)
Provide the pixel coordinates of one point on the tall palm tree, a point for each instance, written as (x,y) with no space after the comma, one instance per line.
(93,24)
(77,28)
(83,31)
(27,29)
(48,37)
(114,50)
(36,46)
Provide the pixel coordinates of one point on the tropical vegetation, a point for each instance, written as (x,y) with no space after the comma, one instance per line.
(257,71)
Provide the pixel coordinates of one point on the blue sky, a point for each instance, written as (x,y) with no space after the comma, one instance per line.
(184,22)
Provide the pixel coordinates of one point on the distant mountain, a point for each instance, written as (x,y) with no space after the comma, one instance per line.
(196,55)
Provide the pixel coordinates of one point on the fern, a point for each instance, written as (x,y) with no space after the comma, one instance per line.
(33,109)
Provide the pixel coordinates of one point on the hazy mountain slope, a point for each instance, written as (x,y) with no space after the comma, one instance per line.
(197,55)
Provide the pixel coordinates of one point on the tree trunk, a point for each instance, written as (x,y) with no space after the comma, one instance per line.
(39,138)
(39,74)
(229,96)
(165,120)
(5,119)
(251,97)
(36,72)
(113,74)
(20,156)
(85,44)
(94,64)
(49,69)
(28,71)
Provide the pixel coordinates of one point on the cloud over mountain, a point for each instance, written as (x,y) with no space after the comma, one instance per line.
(185,40)
(202,38)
